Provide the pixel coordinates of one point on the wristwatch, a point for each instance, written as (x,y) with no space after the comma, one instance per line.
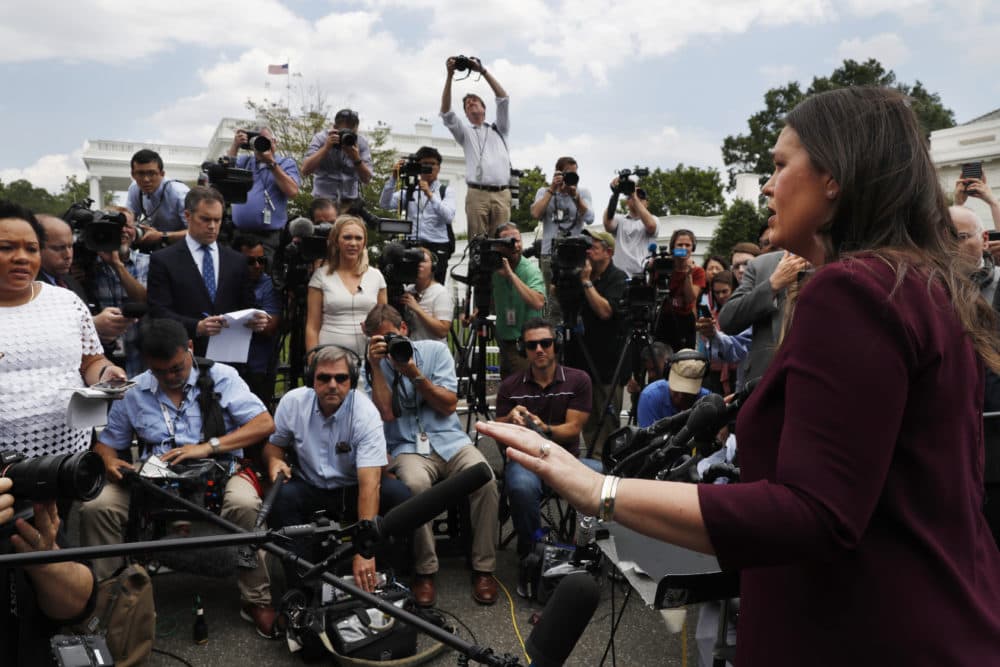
(587,284)
(216,445)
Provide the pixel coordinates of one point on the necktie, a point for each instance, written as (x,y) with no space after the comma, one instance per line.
(208,270)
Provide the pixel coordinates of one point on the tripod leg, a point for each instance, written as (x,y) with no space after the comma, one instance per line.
(611,395)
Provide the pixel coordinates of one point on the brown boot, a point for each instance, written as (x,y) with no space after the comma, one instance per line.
(423,590)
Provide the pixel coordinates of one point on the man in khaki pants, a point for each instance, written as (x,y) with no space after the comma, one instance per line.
(413,385)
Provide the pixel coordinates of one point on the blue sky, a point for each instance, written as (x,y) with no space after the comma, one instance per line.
(613,84)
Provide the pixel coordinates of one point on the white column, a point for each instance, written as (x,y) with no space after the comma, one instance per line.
(95,190)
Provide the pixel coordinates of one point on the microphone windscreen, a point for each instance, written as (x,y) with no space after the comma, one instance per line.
(566,616)
(420,509)
(300,227)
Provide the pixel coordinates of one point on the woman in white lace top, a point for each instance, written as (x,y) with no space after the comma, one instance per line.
(48,346)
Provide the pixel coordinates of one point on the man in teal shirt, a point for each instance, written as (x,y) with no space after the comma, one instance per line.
(518,296)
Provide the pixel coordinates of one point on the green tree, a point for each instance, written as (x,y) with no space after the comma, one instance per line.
(681,191)
(740,222)
(40,200)
(531,180)
(750,152)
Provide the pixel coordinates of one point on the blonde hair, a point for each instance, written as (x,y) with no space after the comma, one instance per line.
(333,244)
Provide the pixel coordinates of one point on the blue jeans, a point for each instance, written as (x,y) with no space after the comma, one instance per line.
(524,490)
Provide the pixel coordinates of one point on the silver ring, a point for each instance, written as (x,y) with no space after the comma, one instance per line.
(543,449)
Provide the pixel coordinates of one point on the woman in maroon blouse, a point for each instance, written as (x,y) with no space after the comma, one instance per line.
(858,528)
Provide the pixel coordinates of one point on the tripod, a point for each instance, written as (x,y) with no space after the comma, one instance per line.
(472,354)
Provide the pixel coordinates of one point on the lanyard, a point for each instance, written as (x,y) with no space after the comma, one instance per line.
(167,420)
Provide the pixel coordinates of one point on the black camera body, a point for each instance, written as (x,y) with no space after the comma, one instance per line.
(465,63)
(570,178)
(626,184)
(256,142)
(660,268)
(297,257)
(399,263)
(412,168)
(398,347)
(348,137)
(486,254)
(639,302)
(94,231)
(233,183)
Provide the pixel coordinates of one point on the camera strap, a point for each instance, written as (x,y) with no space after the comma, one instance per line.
(163,195)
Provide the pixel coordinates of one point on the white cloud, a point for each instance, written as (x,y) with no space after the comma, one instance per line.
(49,171)
(888,48)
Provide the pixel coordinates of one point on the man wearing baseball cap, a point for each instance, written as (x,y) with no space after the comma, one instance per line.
(603,286)
(665,398)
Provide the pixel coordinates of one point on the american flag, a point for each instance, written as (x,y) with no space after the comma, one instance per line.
(277,69)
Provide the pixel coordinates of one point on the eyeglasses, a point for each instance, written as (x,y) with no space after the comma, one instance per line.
(145,174)
(544,342)
(257,260)
(324,378)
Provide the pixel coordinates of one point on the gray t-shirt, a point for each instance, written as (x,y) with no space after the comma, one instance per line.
(631,244)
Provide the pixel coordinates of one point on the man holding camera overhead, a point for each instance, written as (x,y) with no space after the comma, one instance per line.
(341,160)
(275,181)
(487,158)
(431,208)
(563,208)
(634,231)
(413,385)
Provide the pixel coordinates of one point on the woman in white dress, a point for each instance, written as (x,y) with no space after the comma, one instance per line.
(343,291)
(48,346)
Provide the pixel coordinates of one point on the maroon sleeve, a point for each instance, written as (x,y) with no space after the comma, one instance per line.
(582,399)
(698,277)
(845,369)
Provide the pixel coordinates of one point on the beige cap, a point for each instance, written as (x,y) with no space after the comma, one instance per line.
(686,375)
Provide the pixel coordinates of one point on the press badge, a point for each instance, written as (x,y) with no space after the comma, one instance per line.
(423,444)
(267,217)
(511,317)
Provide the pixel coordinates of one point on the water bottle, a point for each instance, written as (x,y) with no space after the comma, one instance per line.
(585,530)
(200,632)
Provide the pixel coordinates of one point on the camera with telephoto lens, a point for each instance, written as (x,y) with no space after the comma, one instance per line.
(348,137)
(464,63)
(398,347)
(486,254)
(412,168)
(256,142)
(62,477)
(569,254)
(96,231)
(231,182)
(627,179)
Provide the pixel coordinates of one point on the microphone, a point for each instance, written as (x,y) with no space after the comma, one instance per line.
(300,227)
(565,618)
(709,412)
(420,509)
(651,249)
(742,397)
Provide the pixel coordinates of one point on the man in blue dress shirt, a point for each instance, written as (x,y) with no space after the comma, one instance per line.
(335,434)
(275,180)
(171,419)
(417,401)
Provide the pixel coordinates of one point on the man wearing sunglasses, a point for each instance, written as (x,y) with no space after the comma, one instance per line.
(547,397)
(336,436)
(341,160)
(259,371)
(178,414)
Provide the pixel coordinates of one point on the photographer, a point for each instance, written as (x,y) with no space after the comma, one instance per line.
(341,160)
(633,232)
(179,411)
(118,277)
(487,158)
(37,600)
(275,181)
(158,204)
(564,209)
(677,313)
(413,386)
(429,306)
(518,296)
(431,209)
(603,286)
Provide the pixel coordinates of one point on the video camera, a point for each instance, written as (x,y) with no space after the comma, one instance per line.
(627,179)
(569,254)
(66,477)
(296,258)
(412,168)
(231,182)
(97,231)
(640,301)
(399,262)
(256,142)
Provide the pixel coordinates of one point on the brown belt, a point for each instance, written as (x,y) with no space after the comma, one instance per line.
(488,188)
